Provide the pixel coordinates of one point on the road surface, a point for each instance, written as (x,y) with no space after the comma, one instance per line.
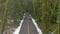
(28,26)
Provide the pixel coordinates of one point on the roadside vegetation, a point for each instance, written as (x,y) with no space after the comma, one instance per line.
(45,12)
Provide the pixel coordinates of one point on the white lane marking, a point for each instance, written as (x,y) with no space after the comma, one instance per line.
(38,29)
(17,30)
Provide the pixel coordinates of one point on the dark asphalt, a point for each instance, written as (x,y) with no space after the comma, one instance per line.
(28,26)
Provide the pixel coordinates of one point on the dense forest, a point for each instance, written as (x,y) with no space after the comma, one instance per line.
(45,12)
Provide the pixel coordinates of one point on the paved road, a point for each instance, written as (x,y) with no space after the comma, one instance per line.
(28,26)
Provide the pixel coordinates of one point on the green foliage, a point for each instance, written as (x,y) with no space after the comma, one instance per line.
(43,11)
(16,9)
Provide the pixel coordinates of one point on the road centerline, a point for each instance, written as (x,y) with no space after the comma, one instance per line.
(28,28)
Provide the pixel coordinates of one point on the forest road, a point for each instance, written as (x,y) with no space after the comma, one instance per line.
(28,26)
